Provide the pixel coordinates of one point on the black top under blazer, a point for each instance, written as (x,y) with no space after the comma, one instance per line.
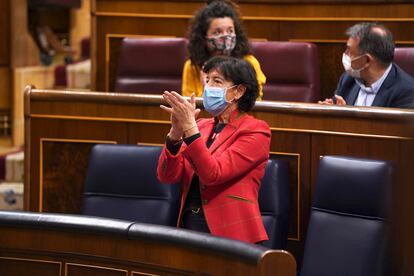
(396,91)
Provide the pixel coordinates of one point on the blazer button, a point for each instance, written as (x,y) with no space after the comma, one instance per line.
(205,201)
(203,187)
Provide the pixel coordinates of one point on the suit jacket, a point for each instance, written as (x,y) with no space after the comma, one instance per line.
(230,174)
(397,90)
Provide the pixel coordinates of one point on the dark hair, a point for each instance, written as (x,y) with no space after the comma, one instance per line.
(239,72)
(374,39)
(197,46)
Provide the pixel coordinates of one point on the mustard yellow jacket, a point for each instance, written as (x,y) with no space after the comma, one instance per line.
(192,77)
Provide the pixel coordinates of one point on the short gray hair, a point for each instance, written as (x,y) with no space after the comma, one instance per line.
(374,39)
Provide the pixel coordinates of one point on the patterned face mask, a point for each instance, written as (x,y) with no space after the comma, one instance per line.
(223,45)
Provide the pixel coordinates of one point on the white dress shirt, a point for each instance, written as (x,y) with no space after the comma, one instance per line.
(367,95)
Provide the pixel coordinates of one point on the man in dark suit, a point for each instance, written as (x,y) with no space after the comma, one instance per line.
(371,79)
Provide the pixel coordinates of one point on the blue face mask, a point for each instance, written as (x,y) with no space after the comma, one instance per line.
(214,99)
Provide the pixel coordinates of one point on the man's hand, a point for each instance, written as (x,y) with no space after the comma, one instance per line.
(330,101)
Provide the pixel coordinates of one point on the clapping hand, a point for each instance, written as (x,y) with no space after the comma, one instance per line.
(183,114)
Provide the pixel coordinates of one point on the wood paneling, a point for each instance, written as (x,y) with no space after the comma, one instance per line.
(405,236)
(294,9)
(319,22)
(301,133)
(355,146)
(328,58)
(4,88)
(62,149)
(80,27)
(64,162)
(21,266)
(39,76)
(4,33)
(86,253)
(5,50)
(16,49)
(90,270)
(23,50)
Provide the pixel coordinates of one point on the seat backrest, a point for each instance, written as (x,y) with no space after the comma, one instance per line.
(121,183)
(348,232)
(150,65)
(274,202)
(291,69)
(404,57)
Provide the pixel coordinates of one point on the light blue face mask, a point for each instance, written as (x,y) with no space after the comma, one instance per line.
(214,99)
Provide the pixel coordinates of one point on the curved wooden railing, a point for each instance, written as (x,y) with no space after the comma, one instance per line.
(70,245)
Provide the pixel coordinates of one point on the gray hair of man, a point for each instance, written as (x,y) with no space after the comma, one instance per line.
(374,39)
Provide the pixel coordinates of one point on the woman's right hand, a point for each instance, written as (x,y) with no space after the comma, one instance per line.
(176,131)
(183,114)
(183,110)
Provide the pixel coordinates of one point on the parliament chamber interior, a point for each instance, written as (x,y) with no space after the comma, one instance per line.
(84,146)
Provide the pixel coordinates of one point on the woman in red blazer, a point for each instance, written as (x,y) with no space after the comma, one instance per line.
(219,161)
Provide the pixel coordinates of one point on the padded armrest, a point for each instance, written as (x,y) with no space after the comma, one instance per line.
(198,241)
(135,231)
(71,223)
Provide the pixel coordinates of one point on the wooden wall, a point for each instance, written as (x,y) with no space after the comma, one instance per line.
(17,49)
(61,127)
(80,27)
(4,54)
(321,22)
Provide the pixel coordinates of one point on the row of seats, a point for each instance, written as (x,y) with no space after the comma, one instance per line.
(152,65)
(348,231)
(155,64)
(121,183)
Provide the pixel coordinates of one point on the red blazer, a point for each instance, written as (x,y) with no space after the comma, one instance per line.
(230,174)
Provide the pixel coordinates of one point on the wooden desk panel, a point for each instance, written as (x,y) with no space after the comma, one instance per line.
(62,127)
(4,33)
(31,251)
(60,151)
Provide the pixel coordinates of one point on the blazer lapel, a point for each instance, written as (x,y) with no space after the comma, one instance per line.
(228,130)
(353,94)
(381,96)
(206,130)
(225,134)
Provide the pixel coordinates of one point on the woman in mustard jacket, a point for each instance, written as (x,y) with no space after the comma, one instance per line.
(216,30)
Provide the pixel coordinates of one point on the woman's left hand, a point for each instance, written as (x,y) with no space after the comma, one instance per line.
(182,110)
